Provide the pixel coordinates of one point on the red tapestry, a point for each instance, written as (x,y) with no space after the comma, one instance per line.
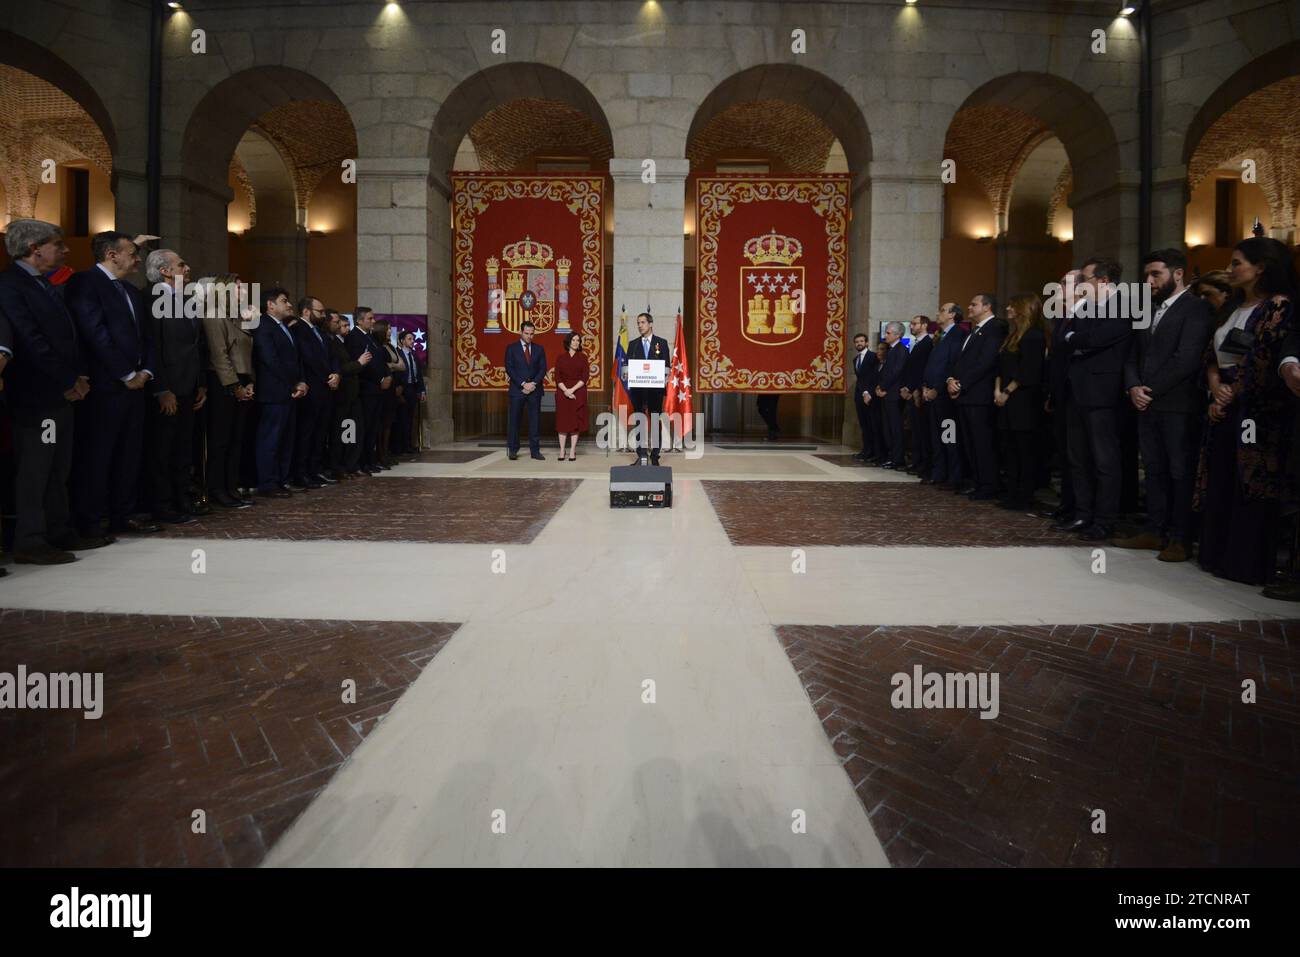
(772,283)
(526,247)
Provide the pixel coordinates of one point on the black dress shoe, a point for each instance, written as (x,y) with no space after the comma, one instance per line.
(313,484)
(325,479)
(44,555)
(226,501)
(1096,533)
(888,465)
(174,518)
(293,485)
(79,544)
(197,508)
(277,493)
(927,481)
(512,455)
(538,455)
(1073,525)
(134,526)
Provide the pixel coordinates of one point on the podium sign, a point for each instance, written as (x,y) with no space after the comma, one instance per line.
(646,373)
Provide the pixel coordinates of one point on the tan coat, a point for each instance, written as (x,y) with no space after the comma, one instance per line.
(230,351)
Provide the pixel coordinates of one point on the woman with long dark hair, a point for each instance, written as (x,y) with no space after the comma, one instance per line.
(572,369)
(1242,479)
(1017,393)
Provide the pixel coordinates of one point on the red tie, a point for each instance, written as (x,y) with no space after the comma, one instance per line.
(528,355)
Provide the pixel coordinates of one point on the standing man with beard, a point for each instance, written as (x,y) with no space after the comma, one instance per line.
(313,412)
(1161,376)
(345,420)
(374,380)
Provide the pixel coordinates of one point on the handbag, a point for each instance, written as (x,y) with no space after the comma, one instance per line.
(1238,342)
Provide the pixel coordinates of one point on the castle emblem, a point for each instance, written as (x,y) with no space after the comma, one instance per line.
(772,290)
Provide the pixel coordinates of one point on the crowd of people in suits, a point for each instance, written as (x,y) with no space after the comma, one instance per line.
(126,408)
(1201,389)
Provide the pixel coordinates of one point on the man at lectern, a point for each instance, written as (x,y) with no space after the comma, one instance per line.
(647,401)
(526,369)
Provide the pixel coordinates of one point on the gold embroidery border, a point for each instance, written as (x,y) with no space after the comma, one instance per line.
(471,194)
(715,198)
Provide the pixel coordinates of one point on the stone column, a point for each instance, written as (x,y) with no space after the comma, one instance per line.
(649,248)
(1169,196)
(398,216)
(901,259)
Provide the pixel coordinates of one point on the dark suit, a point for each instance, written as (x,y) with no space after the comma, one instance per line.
(1166,358)
(371,393)
(46,363)
(649,401)
(1058,390)
(312,412)
(408,406)
(521,369)
(946,455)
(975,368)
(112,324)
(277,369)
(917,412)
(864,370)
(181,349)
(1098,348)
(346,411)
(1022,412)
(891,409)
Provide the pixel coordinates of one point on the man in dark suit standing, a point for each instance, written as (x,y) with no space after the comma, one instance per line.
(112,324)
(1161,376)
(1098,342)
(864,393)
(913,375)
(526,370)
(345,421)
(888,392)
(648,402)
(946,455)
(1057,404)
(412,393)
(179,391)
(44,378)
(971,387)
(278,372)
(374,375)
(312,414)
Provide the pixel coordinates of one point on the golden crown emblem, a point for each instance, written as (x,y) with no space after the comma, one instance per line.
(527,252)
(773,248)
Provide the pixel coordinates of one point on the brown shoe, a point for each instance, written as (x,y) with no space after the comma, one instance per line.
(1174,552)
(1149,540)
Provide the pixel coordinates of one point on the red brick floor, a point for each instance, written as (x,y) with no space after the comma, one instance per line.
(1144,722)
(805,514)
(240,717)
(474,510)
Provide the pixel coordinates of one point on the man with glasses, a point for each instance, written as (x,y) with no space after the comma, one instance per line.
(42,381)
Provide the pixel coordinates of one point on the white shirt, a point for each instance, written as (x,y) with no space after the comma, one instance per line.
(130,305)
(965,342)
(861,352)
(1164,307)
(1236,321)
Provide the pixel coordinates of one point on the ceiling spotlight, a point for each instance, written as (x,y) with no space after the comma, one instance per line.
(174,4)
(1128,10)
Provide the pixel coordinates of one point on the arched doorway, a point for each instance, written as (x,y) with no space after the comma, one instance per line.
(56,159)
(1036,168)
(780,119)
(1243,160)
(266,192)
(516,117)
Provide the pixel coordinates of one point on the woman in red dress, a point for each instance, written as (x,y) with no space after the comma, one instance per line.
(571,370)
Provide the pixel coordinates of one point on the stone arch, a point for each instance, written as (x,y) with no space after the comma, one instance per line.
(18,51)
(215,127)
(813,91)
(494,87)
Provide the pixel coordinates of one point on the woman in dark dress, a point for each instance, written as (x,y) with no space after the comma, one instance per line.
(571,371)
(1242,479)
(1017,391)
